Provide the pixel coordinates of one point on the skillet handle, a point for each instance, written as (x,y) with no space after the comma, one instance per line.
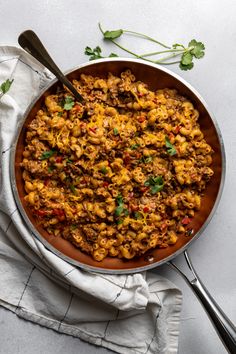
(224,327)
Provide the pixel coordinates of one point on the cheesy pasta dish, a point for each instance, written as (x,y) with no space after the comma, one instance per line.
(119,174)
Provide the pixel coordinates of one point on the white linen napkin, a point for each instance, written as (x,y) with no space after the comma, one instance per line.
(129,314)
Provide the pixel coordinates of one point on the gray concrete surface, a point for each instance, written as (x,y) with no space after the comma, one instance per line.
(73,25)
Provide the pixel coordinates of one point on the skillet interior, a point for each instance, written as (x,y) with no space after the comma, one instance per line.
(156,78)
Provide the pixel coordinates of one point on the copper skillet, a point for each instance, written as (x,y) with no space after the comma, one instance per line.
(156,77)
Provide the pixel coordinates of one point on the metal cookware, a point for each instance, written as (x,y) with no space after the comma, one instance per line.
(156,77)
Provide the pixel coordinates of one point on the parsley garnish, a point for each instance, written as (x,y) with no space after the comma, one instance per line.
(116,132)
(72,188)
(185,55)
(5,86)
(137,215)
(170,148)
(47,154)
(156,184)
(73,226)
(134,146)
(104,170)
(120,208)
(119,221)
(68,103)
(113,34)
(146,159)
(96,52)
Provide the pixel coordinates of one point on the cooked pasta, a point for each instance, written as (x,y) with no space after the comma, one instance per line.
(120,174)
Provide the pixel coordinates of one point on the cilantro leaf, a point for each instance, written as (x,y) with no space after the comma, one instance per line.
(137,215)
(176,45)
(186,58)
(119,210)
(198,50)
(119,221)
(126,212)
(5,86)
(134,146)
(113,34)
(94,53)
(68,103)
(115,131)
(119,199)
(157,188)
(186,67)
(72,188)
(148,159)
(170,148)
(104,170)
(156,184)
(46,154)
(112,55)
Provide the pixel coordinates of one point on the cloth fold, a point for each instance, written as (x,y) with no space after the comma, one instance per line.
(136,313)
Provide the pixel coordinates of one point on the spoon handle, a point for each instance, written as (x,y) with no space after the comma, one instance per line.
(30,42)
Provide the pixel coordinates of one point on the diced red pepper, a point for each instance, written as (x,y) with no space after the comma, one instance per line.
(59,159)
(105,184)
(163,225)
(93,129)
(177,129)
(46,182)
(41,213)
(144,189)
(77,107)
(145,209)
(171,136)
(60,214)
(186,220)
(127,159)
(134,207)
(141,119)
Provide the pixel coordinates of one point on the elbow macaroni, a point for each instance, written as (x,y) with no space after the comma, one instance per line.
(91,170)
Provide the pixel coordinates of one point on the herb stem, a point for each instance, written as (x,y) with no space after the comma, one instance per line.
(168,63)
(118,45)
(160,61)
(163,51)
(166,58)
(147,37)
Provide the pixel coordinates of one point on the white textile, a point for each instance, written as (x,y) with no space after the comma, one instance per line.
(129,314)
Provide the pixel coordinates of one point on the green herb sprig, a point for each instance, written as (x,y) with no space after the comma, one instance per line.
(5,86)
(46,154)
(115,131)
(185,54)
(120,208)
(134,146)
(104,170)
(170,148)
(156,184)
(68,103)
(96,53)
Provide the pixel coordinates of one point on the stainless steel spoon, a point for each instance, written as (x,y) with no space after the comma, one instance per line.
(30,42)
